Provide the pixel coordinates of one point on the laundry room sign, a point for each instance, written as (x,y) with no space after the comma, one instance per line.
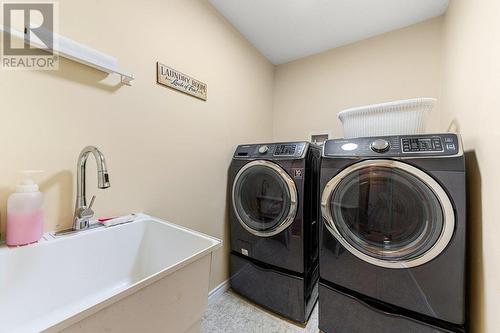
(174,79)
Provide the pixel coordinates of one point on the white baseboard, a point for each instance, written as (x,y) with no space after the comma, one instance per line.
(215,293)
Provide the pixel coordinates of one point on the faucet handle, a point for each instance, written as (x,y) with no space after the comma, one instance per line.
(91,202)
(83,216)
(87,212)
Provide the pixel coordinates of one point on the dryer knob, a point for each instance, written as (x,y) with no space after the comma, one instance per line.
(380,146)
(263,149)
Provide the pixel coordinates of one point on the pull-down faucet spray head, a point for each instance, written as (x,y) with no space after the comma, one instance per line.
(103,179)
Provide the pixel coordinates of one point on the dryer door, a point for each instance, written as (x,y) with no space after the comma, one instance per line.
(264,198)
(388,213)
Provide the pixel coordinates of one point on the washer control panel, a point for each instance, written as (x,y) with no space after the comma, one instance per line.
(288,150)
(423,145)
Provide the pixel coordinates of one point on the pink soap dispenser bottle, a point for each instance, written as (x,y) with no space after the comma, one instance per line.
(25,213)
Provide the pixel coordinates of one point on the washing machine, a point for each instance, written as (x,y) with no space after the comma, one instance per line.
(274,221)
(393,235)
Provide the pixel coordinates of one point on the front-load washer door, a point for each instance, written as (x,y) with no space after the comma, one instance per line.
(388,213)
(264,198)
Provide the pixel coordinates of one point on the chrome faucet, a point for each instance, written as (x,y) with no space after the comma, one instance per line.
(84,213)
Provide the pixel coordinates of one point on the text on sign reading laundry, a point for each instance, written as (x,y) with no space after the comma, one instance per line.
(184,83)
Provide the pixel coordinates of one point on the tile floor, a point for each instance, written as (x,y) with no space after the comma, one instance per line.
(231,313)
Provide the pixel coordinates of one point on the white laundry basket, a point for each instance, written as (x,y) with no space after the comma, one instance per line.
(393,118)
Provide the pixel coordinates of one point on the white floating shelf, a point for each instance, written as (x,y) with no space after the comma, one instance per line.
(69,49)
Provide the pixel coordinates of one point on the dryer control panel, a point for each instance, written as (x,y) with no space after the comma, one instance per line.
(421,145)
(288,150)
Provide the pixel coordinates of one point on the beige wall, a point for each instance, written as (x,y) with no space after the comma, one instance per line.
(167,153)
(397,65)
(471,60)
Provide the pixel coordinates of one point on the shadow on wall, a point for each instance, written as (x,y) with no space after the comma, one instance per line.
(475,276)
(85,75)
(64,181)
